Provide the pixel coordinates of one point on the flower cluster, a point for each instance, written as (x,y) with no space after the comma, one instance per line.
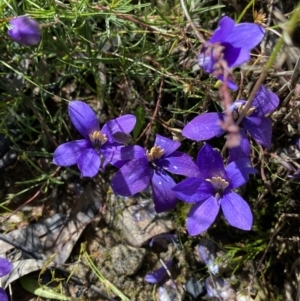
(208,185)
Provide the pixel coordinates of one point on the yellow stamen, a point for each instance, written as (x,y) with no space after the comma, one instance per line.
(248,113)
(219,183)
(155,153)
(97,139)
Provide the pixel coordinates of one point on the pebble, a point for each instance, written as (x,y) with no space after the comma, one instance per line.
(135,233)
(126,260)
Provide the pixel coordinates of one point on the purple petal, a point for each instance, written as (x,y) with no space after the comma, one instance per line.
(123,124)
(89,163)
(226,26)
(235,56)
(169,146)
(206,59)
(5,266)
(83,118)
(132,178)
(237,104)
(260,128)
(296,175)
(238,172)
(159,274)
(120,155)
(67,153)
(210,163)
(236,211)
(241,151)
(246,35)
(230,82)
(163,196)
(122,138)
(193,190)
(25,31)
(201,216)
(108,152)
(265,101)
(180,164)
(204,127)
(3,295)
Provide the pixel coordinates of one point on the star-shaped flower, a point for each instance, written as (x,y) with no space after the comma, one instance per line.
(214,188)
(98,145)
(25,31)
(5,268)
(153,167)
(229,47)
(208,125)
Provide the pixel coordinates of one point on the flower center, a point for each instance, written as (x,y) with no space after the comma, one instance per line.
(219,183)
(155,153)
(97,139)
(236,113)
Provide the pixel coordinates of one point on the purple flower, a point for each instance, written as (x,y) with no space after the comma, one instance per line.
(219,288)
(214,187)
(159,274)
(5,268)
(152,167)
(25,31)
(296,175)
(229,47)
(97,143)
(208,254)
(208,125)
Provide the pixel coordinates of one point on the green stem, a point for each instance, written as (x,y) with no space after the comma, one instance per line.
(244,11)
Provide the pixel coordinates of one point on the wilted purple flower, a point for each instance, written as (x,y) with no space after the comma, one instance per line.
(152,167)
(296,175)
(159,274)
(219,288)
(208,125)
(208,255)
(229,47)
(97,143)
(25,31)
(168,292)
(5,268)
(214,187)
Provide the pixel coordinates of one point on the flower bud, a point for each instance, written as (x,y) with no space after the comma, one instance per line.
(24,31)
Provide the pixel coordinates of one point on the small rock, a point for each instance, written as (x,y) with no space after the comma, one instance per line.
(195,288)
(122,216)
(9,159)
(126,260)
